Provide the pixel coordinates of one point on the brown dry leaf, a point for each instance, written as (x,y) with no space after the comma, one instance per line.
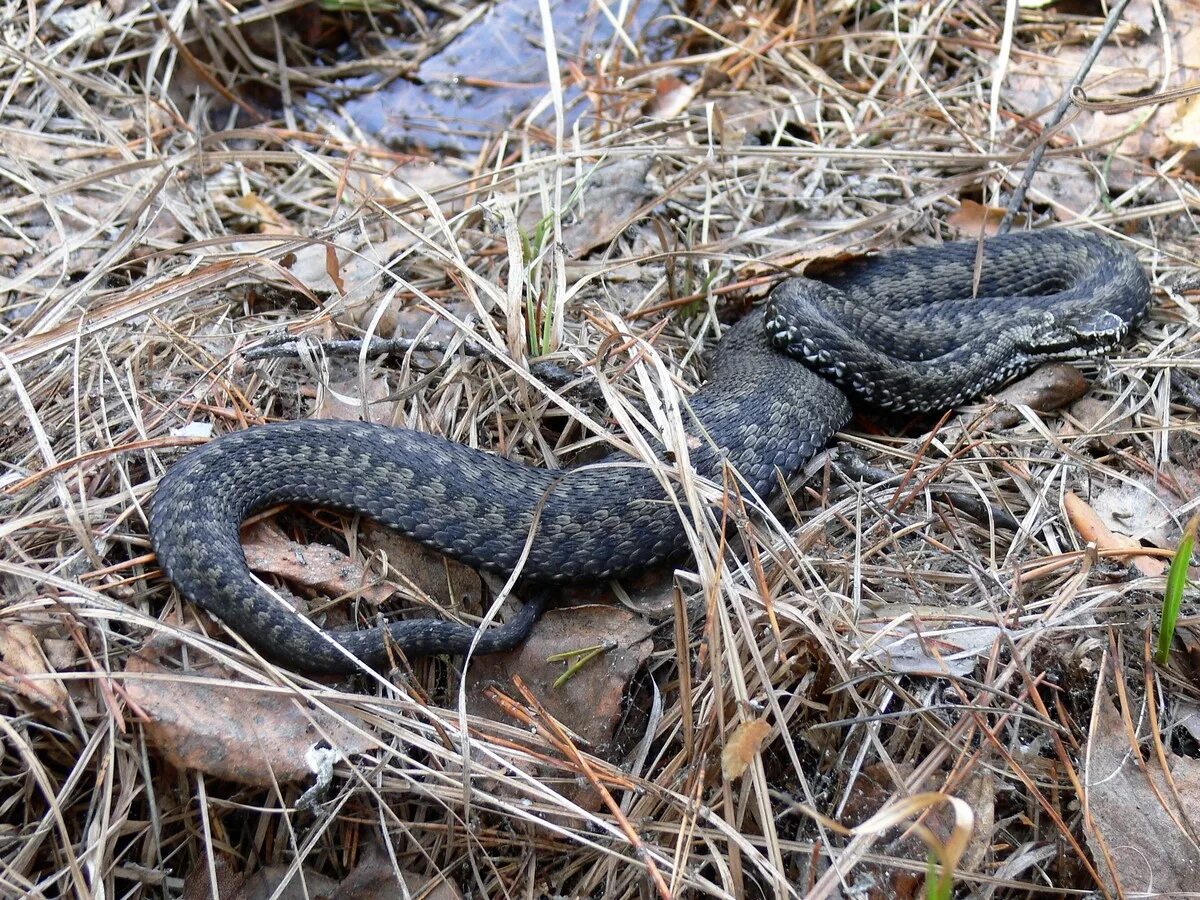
(973,219)
(431,575)
(197,884)
(375,877)
(1138,822)
(741,748)
(397,188)
(611,195)
(1092,529)
(302,885)
(270,221)
(230,731)
(1128,66)
(591,702)
(1069,185)
(935,648)
(27,670)
(1099,419)
(319,566)
(345,400)
(407,318)
(1185,130)
(1048,388)
(812,264)
(352,269)
(749,112)
(13,247)
(671,97)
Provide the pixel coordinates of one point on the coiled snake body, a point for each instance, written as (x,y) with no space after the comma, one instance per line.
(899,331)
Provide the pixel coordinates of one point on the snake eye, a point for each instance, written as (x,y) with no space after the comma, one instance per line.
(1074,335)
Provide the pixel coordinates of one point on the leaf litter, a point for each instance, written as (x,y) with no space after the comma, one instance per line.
(154,234)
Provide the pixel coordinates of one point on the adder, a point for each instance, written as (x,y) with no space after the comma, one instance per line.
(911,331)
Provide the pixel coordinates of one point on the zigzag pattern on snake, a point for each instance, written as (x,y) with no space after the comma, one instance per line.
(898,331)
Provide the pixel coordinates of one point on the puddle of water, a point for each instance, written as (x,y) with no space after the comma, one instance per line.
(496,70)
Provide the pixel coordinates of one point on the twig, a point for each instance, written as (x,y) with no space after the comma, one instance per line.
(1185,385)
(554,730)
(855,467)
(1064,103)
(287,346)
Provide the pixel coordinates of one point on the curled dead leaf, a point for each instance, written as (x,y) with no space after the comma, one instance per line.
(741,748)
(671,97)
(27,670)
(1093,530)
(591,702)
(1128,799)
(1048,388)
(973,219)
(318,566)
(234,732)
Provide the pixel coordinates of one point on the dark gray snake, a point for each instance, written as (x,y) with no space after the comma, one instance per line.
(899,331)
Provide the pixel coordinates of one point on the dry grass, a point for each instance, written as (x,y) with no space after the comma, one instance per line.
(136,273)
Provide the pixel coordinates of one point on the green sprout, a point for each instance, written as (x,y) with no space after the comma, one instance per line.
(1177,582)
(938,885)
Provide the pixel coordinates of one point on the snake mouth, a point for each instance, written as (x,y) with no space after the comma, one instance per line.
(1075,337)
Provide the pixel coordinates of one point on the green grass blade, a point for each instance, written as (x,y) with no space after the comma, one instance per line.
(1173,598)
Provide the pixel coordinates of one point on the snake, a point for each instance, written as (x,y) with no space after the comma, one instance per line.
(911,331)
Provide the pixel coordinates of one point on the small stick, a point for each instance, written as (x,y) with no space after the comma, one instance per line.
(1185,385)
(1064,102)
(287,346)
(854,466)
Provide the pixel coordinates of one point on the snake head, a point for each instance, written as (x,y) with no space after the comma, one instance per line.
(1074,334)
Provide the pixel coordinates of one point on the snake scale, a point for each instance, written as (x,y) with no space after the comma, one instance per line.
(911,331)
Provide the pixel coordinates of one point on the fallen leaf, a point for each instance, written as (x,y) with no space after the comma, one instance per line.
(1144,509)
(1069,186)
(397,188)
(742,747)
(197,884)
(1138,821)
(671,97)
(1048,388)
(233,732)
(973,219)
(610,196)
(27,670)
(591,702)
(283,882)
(1185,130)
(375,877)
(1093,530)
(404,318)
(1128,65)
(345,399)
(1102,420)
(1187,716)
(352,269)
(319,566)
(914,648)
(750,112)
(60,652)
(428,574)
(270,220)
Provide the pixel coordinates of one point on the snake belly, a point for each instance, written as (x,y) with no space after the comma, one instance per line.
(899,331)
